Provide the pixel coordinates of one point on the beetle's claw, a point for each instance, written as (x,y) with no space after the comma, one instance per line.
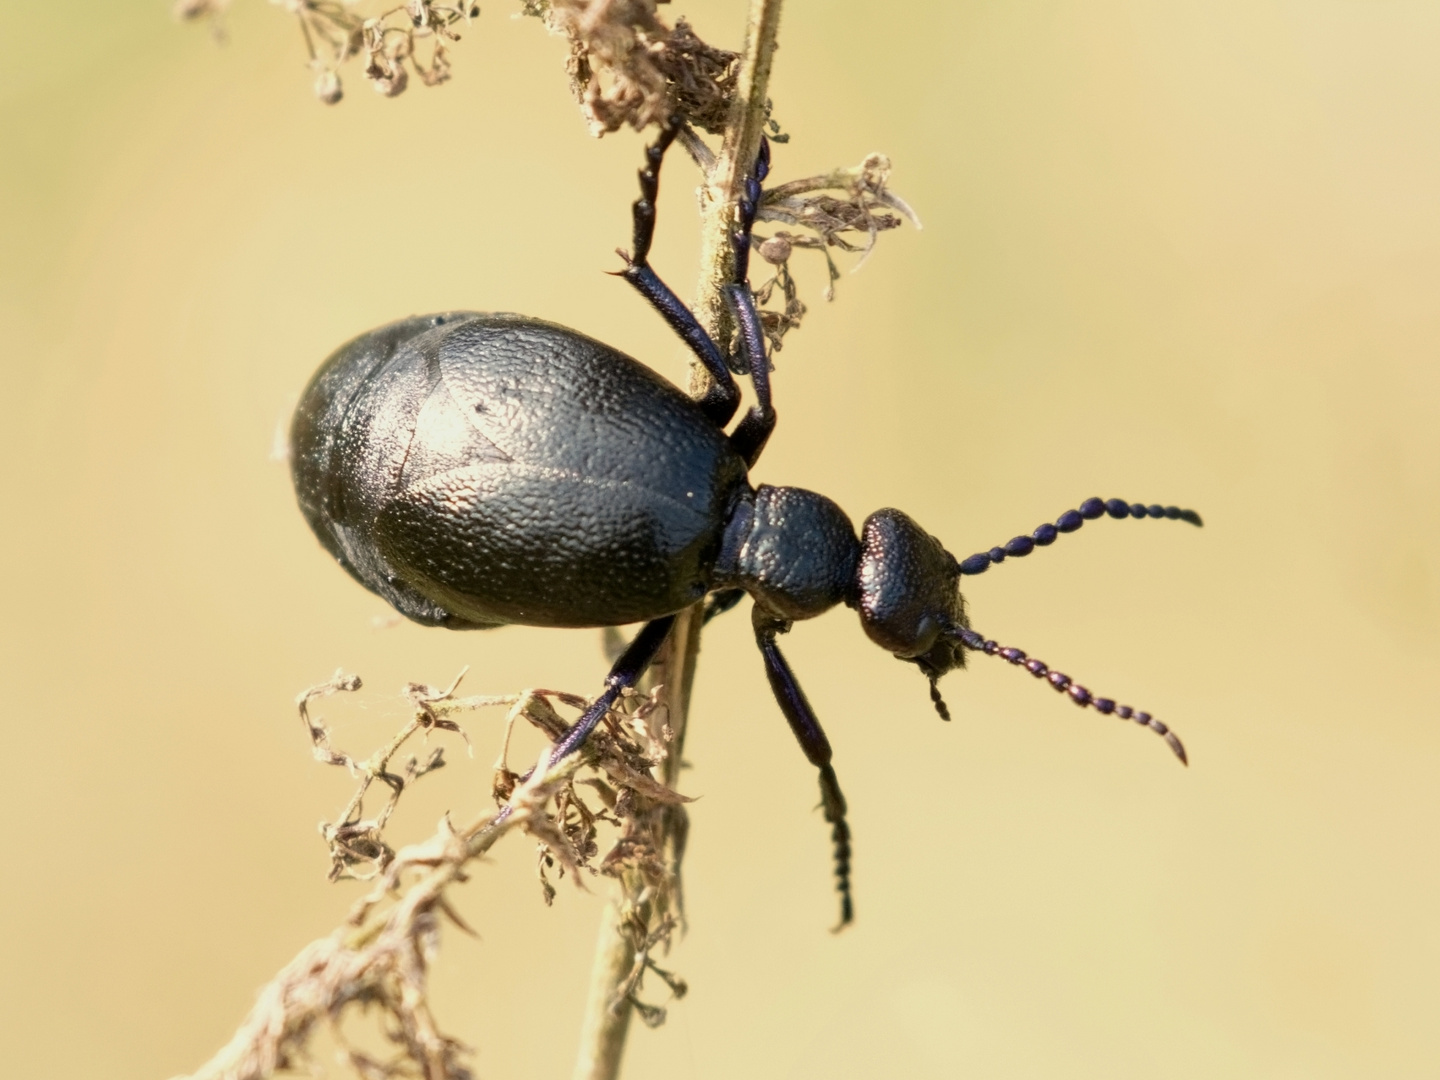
(626,259)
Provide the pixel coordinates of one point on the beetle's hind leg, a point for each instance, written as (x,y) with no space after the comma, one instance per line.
(723,396)
(623,675)
(807,730)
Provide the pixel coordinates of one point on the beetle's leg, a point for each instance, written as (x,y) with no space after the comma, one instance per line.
(750,436)
(723,397)
(626,672)
(811,737)
(745,212)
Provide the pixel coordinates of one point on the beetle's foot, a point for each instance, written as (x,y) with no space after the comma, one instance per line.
(629,262)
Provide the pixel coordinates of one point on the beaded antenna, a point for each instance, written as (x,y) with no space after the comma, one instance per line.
(1068,522)
(1043,536)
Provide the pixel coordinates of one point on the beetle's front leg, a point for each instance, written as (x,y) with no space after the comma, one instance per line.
(806,727)
(753,432)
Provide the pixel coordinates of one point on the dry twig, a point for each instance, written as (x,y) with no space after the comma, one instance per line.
(379,958)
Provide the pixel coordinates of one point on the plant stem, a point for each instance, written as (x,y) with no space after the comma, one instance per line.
(628,916)
(607,1022)
(721,190)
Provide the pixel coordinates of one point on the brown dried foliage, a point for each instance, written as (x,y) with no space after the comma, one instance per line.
(627,67)
(378,960)
(845,209)
(389,42)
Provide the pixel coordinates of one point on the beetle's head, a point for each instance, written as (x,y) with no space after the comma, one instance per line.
(908,594)
(907,589)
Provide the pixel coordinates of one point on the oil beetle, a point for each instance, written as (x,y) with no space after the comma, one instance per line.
(481,469)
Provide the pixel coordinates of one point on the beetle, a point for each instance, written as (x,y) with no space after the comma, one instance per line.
(476,470)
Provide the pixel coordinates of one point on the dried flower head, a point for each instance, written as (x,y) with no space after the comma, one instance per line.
(837,209)
(328,88)
(625,65)
(334,32)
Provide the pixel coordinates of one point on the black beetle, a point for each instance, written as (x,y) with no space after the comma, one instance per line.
(479,469)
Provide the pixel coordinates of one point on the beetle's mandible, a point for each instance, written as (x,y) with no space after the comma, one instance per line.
(480,469)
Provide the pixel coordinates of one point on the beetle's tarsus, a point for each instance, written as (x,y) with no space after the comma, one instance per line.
(805,726)
(937,700)
(623,675)
(833,803)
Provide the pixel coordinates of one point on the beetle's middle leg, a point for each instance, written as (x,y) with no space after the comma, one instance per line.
(806,727)
(723,397)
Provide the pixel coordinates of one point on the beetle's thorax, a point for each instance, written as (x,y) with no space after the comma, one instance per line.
(797,554)
(794,551)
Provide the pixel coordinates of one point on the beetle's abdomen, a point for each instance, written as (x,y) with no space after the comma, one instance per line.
(500,469)
(348,439)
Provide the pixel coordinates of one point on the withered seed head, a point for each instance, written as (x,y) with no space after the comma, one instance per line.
(328,88)
(775,250)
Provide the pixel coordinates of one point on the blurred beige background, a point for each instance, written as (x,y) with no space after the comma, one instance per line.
(1185,252)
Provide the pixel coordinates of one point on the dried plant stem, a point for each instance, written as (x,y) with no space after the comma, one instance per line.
(380,955)
(722,187)
(626,922)
(607,1022)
